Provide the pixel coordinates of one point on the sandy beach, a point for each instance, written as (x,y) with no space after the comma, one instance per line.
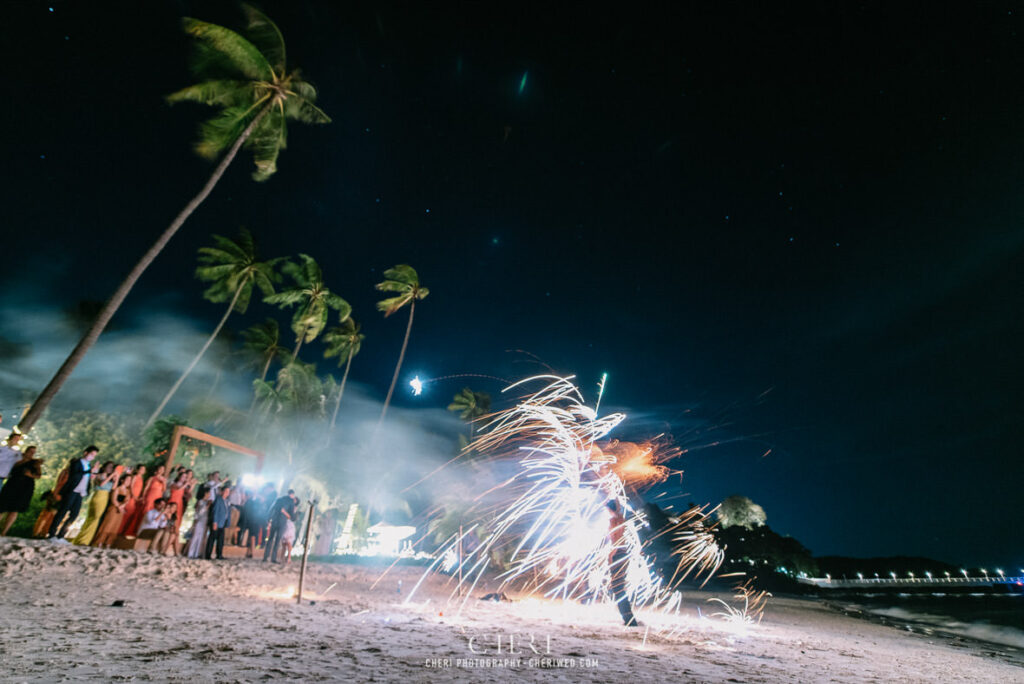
(237,621)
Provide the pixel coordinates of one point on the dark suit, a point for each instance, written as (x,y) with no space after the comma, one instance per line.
(220,514)
(70,500)
(282,509)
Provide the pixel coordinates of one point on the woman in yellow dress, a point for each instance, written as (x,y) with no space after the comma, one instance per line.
(102,483)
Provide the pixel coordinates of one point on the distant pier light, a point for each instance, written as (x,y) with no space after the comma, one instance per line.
(929,574)
(1000,573)
(910,575)
(964,573)
(947,574)
(984,572)
(860,575)
(893,575)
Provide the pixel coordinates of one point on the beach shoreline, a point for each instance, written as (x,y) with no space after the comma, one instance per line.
(83,614)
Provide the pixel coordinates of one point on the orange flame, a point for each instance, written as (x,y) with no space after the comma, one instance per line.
(637,464)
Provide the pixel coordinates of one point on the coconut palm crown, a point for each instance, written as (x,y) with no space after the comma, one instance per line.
(232,268)
(247,77)
(313,298)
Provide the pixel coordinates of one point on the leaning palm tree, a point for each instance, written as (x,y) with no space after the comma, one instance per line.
(403,280)
(246,77)
(343,341)
(232,269)
(313,298)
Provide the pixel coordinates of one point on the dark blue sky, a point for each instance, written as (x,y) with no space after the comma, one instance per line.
(706,201)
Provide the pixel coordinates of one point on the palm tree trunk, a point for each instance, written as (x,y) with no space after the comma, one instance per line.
(263,377)
(298,344)
(209,341)
(398,368)
(341,391)
(114,303)
(266,367)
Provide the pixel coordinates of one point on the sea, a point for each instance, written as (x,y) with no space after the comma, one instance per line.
(995,618)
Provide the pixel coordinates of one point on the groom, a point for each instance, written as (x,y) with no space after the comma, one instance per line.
(73,491)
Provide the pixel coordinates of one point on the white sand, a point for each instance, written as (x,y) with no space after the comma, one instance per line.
(231,621)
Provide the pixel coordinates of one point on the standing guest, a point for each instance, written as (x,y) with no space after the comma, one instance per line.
(213,481)
(133,510)
(255,514)
(10,454)
(176,492)
(197,537)
(236,501)
(16,494)
(154,490)
(282,510)
(102,483)
(45,517)
(114,517)
(190,488)
(76,485)
(42,527)
(219,515)
(154,521)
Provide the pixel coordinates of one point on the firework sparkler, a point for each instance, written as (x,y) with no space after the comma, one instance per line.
(557,524)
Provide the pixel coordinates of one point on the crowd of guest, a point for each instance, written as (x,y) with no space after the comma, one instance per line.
(146,513)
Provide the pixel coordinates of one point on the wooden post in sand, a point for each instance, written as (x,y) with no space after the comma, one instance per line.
(305,550)
(460,560)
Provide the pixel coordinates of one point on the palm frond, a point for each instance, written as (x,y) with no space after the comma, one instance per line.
(266,144)
(218,133)
(218,92)
(392,304)
(302,109)
(285,298)
(403,273)
(242,55)
(265,35)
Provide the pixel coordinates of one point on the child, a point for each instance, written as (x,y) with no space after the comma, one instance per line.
(288,539)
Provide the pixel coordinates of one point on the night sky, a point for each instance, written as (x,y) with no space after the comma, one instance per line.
(794,231)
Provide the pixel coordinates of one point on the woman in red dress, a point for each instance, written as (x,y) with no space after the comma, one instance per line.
(154,490)
(133,509)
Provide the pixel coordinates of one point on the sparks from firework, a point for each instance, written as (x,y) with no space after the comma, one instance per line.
(558,527)
(749,605)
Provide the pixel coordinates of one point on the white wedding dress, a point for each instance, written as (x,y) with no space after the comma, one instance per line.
(197,541)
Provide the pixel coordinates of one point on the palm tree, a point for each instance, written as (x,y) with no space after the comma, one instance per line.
(471,405)
(232,269)
(343,341)
(263,344)
(403,280)
(315,300)
(246,77)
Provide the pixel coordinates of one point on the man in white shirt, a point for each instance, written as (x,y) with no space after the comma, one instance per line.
(154,521)
(71,494)
(10,453)
(165,532)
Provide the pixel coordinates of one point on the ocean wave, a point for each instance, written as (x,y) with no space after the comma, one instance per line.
(981,630)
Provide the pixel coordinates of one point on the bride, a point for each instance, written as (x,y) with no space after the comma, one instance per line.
(197,537)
